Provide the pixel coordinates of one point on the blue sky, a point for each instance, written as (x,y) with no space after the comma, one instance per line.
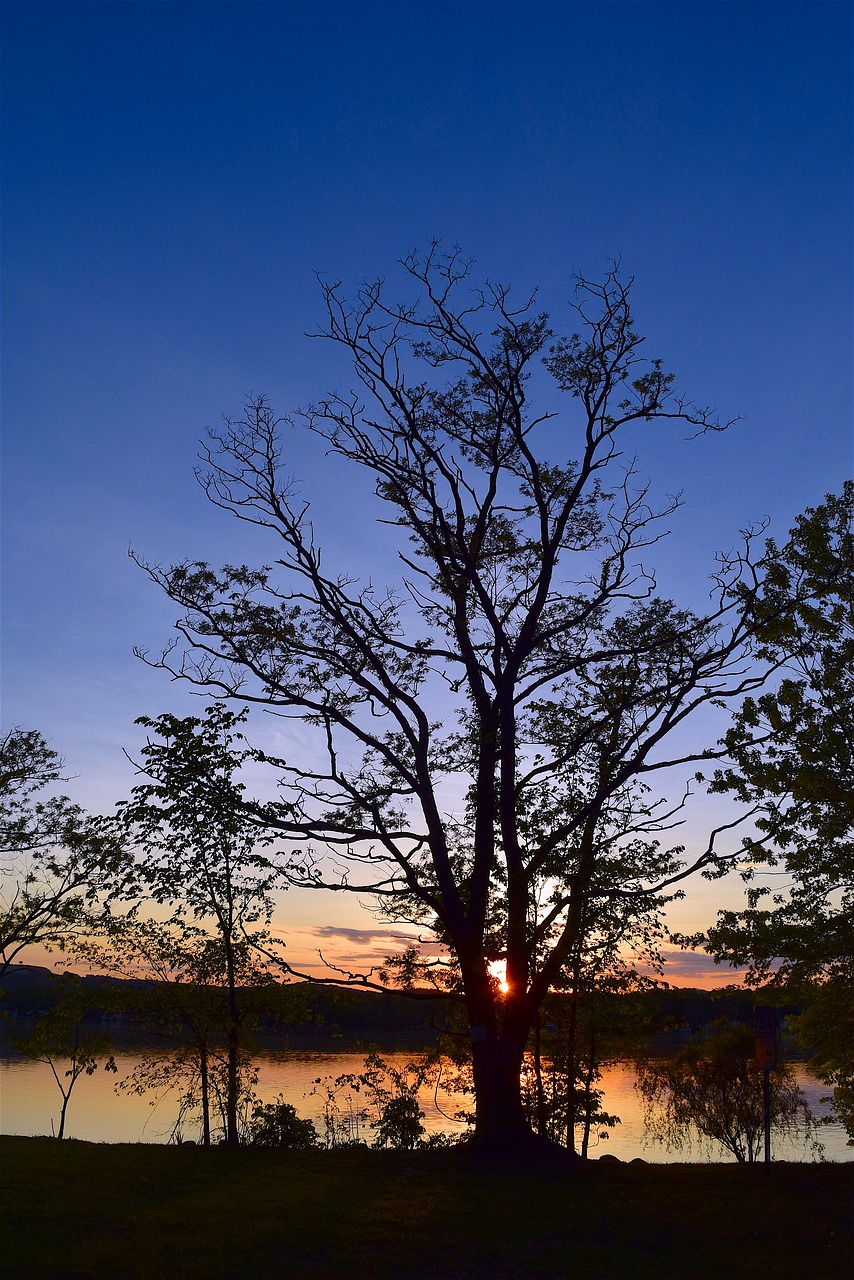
(174,174)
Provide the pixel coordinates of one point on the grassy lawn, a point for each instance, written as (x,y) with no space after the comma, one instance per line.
(74,1209)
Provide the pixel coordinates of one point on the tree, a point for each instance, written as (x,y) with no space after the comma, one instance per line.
(56,859)
(713,1088)
(525,653)
(792,753)
(59,1037)
(393,1092)
(200,855)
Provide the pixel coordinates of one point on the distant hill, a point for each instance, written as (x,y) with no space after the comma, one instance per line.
(324,1012)
(315,1011)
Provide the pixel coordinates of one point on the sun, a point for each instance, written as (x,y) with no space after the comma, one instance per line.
(498,970)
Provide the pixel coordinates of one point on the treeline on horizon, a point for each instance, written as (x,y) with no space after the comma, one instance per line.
(308,1010)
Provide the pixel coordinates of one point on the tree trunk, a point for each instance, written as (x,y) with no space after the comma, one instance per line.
(206,1101)
(572,1067)
(232,1135)
(500,1123)
(588,1086)
(65,1101)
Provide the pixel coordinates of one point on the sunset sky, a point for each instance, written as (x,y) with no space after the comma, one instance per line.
(174,176)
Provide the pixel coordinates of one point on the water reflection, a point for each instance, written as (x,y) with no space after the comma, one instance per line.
(30,1099)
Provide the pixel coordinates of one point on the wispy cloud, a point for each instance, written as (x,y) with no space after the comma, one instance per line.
(363,936)
(697,967)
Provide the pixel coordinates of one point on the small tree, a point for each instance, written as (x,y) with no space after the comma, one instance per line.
(200,855)
(603,1014)
(392,1093)
(60,1040)
(712,1089)
(180,994)
(391,1097)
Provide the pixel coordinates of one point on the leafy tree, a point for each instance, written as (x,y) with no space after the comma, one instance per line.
(399,1124)
(60,1040)
(712,1088)
(792,752)
(825,1029)
(525,654)
(56,859)
(391,1107)
(201,856)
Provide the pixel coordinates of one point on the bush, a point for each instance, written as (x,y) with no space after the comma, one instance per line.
(276,1124)
(400,1124)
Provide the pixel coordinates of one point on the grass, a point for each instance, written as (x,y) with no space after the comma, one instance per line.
(81,1211)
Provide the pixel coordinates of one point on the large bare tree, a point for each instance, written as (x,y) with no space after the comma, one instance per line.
(489,729)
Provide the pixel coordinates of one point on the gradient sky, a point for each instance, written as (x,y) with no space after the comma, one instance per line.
(175,174)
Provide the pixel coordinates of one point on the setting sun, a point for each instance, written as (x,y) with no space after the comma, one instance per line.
(498,970)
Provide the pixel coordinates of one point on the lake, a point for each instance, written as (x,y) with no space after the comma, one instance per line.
(98,1113)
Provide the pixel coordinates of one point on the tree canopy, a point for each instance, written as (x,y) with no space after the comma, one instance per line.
(56,859)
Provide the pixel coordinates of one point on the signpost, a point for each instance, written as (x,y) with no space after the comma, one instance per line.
(765,1023)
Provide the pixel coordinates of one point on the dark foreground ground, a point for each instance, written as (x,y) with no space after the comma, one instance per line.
(74,1209)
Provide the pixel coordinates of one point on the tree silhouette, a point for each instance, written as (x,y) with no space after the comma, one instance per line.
(525,660)
(56,859)
(792,753)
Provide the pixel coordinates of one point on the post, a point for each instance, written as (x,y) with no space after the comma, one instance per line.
(765,1022)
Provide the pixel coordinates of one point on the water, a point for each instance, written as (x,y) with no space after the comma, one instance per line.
(29,1101)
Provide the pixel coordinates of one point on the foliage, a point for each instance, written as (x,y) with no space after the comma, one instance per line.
(276,1124)
(399,1124)
(343,1119)
(391,1094)
(524,611)
(712,1089)
(564,1103)
(826,1030)
(200,852)
(56,859)
(390,1106)
(60,1039)
(793,755)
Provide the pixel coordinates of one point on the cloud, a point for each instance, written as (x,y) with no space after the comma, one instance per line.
(363,936)
(698,965)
